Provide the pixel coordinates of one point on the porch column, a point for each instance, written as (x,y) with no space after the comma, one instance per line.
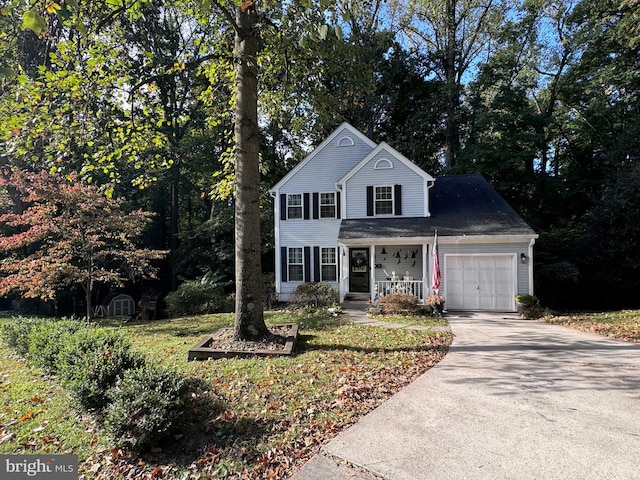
(372,271)
(343,270)
(425,272)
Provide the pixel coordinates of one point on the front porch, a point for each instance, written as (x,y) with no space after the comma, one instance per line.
(406,285)
(371,272)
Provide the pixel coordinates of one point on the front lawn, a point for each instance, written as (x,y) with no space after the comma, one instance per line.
(252,418)
(624,324)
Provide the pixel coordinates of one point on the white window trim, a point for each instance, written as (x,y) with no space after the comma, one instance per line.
(375,201)
(301,206)
(335,264)
(289,263)
(334,204)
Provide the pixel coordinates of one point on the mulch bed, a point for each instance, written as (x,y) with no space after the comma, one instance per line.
(223,340)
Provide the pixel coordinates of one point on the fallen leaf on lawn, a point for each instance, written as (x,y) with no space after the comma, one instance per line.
(38,429)
(47,440)
(27,416)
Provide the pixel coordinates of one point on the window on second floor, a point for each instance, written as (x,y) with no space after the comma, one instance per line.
(294,205)
(328,205)
(384,200)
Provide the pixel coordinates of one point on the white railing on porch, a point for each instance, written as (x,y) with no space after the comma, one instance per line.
(411,287)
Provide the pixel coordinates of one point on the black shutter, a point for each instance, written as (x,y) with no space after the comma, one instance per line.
(283,206)
(305,205)
(307,264)
(283,264)
(398,199)
(316,206)
(316,264)
(369,201)
(338,205)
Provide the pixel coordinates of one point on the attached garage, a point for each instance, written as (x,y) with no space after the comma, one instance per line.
(480,282)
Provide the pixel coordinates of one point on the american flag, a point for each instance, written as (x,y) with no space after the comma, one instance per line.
(436,266)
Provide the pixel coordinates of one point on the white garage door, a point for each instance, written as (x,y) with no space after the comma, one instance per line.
(479,282)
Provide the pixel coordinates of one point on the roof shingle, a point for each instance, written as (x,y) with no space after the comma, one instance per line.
(460,205)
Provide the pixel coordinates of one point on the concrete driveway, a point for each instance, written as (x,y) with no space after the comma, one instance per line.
(513,399)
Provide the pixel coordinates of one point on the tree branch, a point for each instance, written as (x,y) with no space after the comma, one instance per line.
(187,66)
(228,15)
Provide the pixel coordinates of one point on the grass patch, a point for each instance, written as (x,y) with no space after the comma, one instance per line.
(421,320)
(252,418)
(35,414)
(624,324)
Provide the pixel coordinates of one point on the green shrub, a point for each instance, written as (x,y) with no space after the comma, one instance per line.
(17,333)
(317,294)
(529,306)
(138,404)
(146,405)
(527,301)
(196,297)
(91,362)
(48,338)
(400,303)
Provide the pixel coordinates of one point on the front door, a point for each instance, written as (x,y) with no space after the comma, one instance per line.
(359,270)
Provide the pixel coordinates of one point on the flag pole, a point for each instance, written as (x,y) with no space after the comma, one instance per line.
(435,273)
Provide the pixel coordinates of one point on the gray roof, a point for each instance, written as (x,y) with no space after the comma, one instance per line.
(460,205)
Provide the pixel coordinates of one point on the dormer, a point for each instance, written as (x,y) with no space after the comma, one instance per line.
(385,184)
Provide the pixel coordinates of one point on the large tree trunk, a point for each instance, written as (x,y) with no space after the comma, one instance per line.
(452,136)
(249,323)
(175,212)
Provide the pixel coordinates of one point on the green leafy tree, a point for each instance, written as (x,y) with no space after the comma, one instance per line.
(70,234)
(608,256)
(504,131)
(456,35)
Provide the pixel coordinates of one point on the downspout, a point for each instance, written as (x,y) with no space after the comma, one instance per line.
(427,202)
(276,237)
(342,271)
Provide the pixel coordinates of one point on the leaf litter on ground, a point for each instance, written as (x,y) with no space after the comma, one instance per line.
(263,418)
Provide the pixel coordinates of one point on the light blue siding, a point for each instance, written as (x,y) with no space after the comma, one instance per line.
(327,166)
(413,186)
(350,158)
(318,173)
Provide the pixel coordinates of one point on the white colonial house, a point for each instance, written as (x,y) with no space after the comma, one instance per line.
(362,217)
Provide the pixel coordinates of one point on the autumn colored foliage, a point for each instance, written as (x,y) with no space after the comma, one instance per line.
(69,233)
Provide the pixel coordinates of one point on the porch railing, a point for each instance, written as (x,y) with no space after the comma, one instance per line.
(410,287)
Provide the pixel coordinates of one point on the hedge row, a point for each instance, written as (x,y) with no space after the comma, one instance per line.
(138,404)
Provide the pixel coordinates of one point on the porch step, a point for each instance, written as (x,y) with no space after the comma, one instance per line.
(357,297)
(355,305)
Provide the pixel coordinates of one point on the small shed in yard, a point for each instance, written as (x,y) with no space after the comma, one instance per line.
(119,305)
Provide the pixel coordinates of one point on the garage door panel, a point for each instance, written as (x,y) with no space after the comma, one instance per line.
(502,289)
(484,275)
(480,282)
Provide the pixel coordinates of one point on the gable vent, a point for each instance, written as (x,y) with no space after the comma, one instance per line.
(382,164)
(346,142)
